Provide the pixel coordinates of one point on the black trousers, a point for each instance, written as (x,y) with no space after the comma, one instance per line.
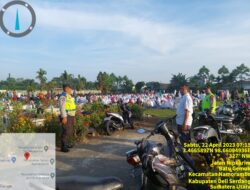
(126,117)
(184,137)
(67,131)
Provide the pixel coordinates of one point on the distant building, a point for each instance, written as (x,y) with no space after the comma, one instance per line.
(156,86)
(243,84)
(164,86)
(240,85)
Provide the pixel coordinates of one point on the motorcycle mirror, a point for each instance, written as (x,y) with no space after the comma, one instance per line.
(141,131)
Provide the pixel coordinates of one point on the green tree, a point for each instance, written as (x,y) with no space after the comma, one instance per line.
(104,82)
(66,77)
(115,82)
(204,74)
(153,85)
(195,82)
(223,75)
(127,85)
(80,82)
(51,86)
(91,85)
(242,71)
(57,81)
(30,85)
(119,82)
(223,71)
(139,85)
(41,76)
(177,81)
(239,73)
(11,83)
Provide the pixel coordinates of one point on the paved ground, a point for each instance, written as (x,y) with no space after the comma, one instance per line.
(103,156)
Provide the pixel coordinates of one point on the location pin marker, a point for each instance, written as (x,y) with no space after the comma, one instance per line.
(46,148)
(26,155)
(13,159)
(52,175)
(52,161)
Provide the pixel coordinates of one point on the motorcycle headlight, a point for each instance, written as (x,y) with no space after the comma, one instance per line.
(200,135)
(228,111)
(133,160)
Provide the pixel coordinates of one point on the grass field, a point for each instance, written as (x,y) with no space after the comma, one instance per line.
(161,113)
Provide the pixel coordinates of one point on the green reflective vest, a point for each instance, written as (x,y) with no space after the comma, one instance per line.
(70,105)
(206,103)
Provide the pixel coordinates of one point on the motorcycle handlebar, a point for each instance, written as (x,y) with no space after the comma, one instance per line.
(137,142)
(154,131)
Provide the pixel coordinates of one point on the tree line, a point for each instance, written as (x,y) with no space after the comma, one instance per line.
(111,83)
(105,82)
(204,77)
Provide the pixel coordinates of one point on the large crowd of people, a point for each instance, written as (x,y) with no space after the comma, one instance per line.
(150,99)
(183,101)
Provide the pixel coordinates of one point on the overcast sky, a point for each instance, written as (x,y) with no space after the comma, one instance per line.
(145,39)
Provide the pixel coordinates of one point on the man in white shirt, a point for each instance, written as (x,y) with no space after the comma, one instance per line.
(184,114)
(183,117)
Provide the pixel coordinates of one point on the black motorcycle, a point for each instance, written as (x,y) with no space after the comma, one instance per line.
(233,115)
(152,169)
(215,129)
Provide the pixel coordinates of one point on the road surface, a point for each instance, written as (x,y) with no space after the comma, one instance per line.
(104,156)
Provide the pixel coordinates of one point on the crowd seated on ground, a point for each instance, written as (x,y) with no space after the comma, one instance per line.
(150,99)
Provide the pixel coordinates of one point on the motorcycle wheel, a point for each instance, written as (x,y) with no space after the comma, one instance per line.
(232,139)
(209,159)
(109,127)
(247,125)
(208,156)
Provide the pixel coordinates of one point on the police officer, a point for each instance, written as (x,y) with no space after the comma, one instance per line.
(67,108)
(209,101)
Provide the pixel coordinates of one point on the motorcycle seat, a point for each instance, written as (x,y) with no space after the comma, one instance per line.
(88,183)
(223,118)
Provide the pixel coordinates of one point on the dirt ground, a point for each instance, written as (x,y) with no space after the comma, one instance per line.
(105,155)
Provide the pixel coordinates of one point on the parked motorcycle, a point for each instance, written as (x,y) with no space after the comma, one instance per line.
(152,169)
(232,116)
(115,121)
(211,129)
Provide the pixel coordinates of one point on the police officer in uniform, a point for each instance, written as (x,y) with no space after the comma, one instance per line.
(209,101)
(67,108)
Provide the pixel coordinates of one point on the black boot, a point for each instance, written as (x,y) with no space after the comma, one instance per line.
(64,149)
(69,145)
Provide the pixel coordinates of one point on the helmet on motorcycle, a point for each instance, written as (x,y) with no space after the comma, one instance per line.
(228,111)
